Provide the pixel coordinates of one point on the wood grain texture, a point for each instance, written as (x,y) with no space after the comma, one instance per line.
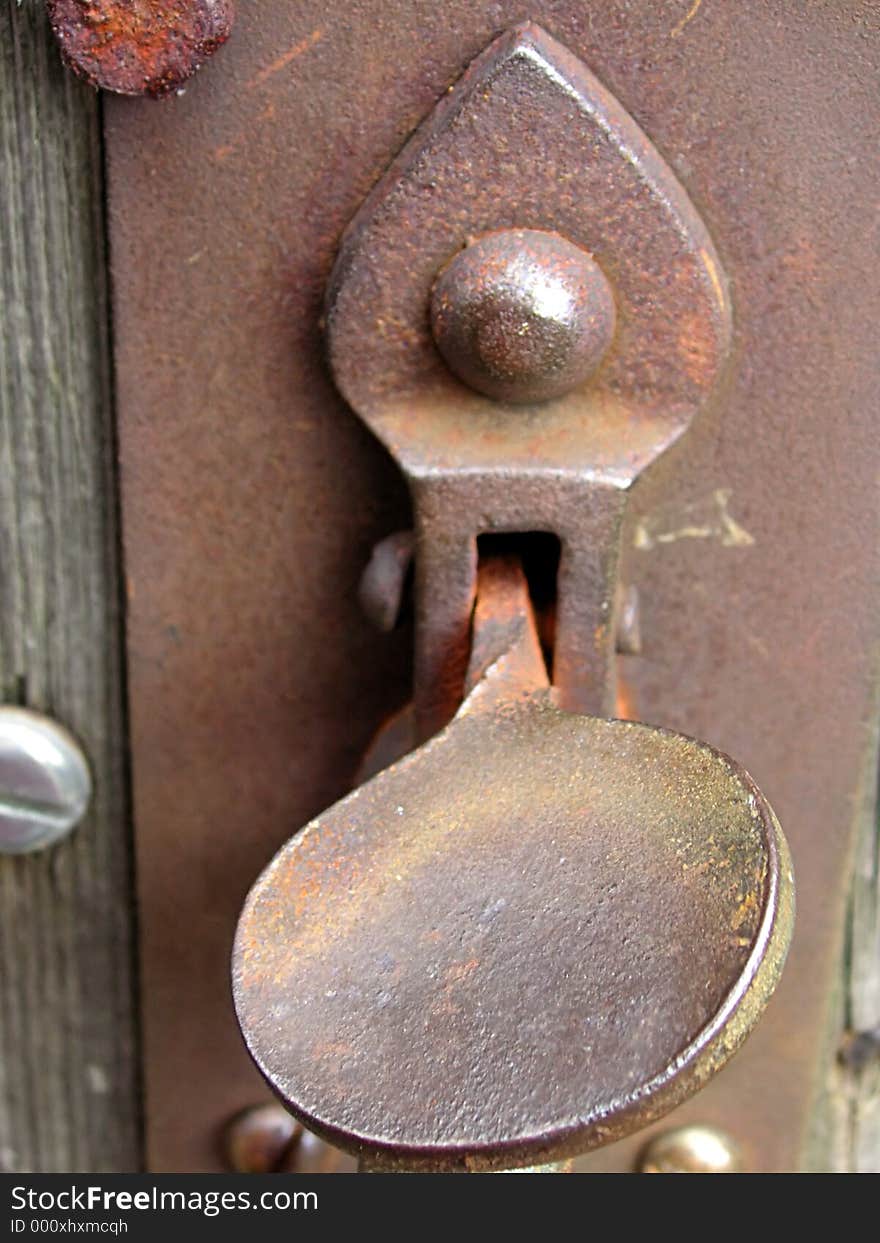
(68,1087)
(855,1085)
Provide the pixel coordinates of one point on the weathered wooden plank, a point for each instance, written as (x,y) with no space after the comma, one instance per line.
(67,1050)
(855,1087)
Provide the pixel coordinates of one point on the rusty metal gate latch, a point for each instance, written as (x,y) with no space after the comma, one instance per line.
(542,928)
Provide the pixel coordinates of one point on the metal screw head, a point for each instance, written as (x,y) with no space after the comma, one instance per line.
(522,315)
(45,784)
(691,1150)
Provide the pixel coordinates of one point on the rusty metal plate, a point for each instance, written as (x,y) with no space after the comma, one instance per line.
(251,496)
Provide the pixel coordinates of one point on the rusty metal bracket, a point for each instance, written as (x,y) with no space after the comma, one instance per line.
(540,930)
(529,143)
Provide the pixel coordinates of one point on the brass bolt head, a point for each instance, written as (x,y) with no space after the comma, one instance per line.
(691,1150)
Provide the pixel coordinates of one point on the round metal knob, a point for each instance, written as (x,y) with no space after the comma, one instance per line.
(522,315)
(529,937)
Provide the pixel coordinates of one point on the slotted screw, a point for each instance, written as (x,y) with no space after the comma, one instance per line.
(45,783)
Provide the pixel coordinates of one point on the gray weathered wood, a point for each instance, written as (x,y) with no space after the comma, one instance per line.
(855,1085)
(67,1050)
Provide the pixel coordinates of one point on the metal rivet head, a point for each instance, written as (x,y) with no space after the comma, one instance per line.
(45,784)
(522,315)
(139,47)
(266,1139)
(257,1140)
(691,1150)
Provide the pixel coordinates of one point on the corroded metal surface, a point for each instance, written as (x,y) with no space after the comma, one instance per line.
(139,47)
(535,934)
(251,497)
(557,155)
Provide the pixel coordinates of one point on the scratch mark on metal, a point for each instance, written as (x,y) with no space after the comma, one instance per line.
(714,276)
(709,518)
(283,61)
(688,17)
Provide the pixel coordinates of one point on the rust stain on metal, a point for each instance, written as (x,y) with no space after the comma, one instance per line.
(139,47)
